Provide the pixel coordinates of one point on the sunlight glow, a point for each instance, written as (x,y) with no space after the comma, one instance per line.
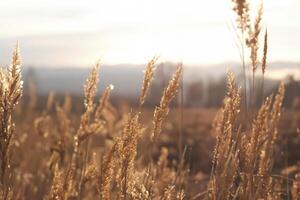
(131,31)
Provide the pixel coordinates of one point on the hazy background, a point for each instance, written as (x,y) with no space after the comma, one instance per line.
(58,37)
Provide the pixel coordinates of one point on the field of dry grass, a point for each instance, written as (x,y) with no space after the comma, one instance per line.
(239,151)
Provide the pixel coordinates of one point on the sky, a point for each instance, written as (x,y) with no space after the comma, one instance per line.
(79,32)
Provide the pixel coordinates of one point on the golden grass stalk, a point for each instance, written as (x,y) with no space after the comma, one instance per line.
(161,111)
(258,152)
(127,150)
(106,175)
(264,63)
(252,150)
(87,127)
(57,187)
(264,59)
(14,78)
(253,43)
(148,77)
(70,182)
(225,159)
(103,101)
(253,40)
(91,171)
(90,90)
(10,92)
(247,155)
(241,8)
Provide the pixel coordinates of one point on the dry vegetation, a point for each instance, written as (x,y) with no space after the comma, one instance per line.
(109,154)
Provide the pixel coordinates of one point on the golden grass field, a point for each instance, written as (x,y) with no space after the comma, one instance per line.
(239,151)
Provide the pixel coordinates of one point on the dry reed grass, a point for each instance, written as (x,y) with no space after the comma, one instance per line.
(73,166)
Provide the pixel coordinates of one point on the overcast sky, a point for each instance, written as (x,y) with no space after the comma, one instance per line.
(78,32)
